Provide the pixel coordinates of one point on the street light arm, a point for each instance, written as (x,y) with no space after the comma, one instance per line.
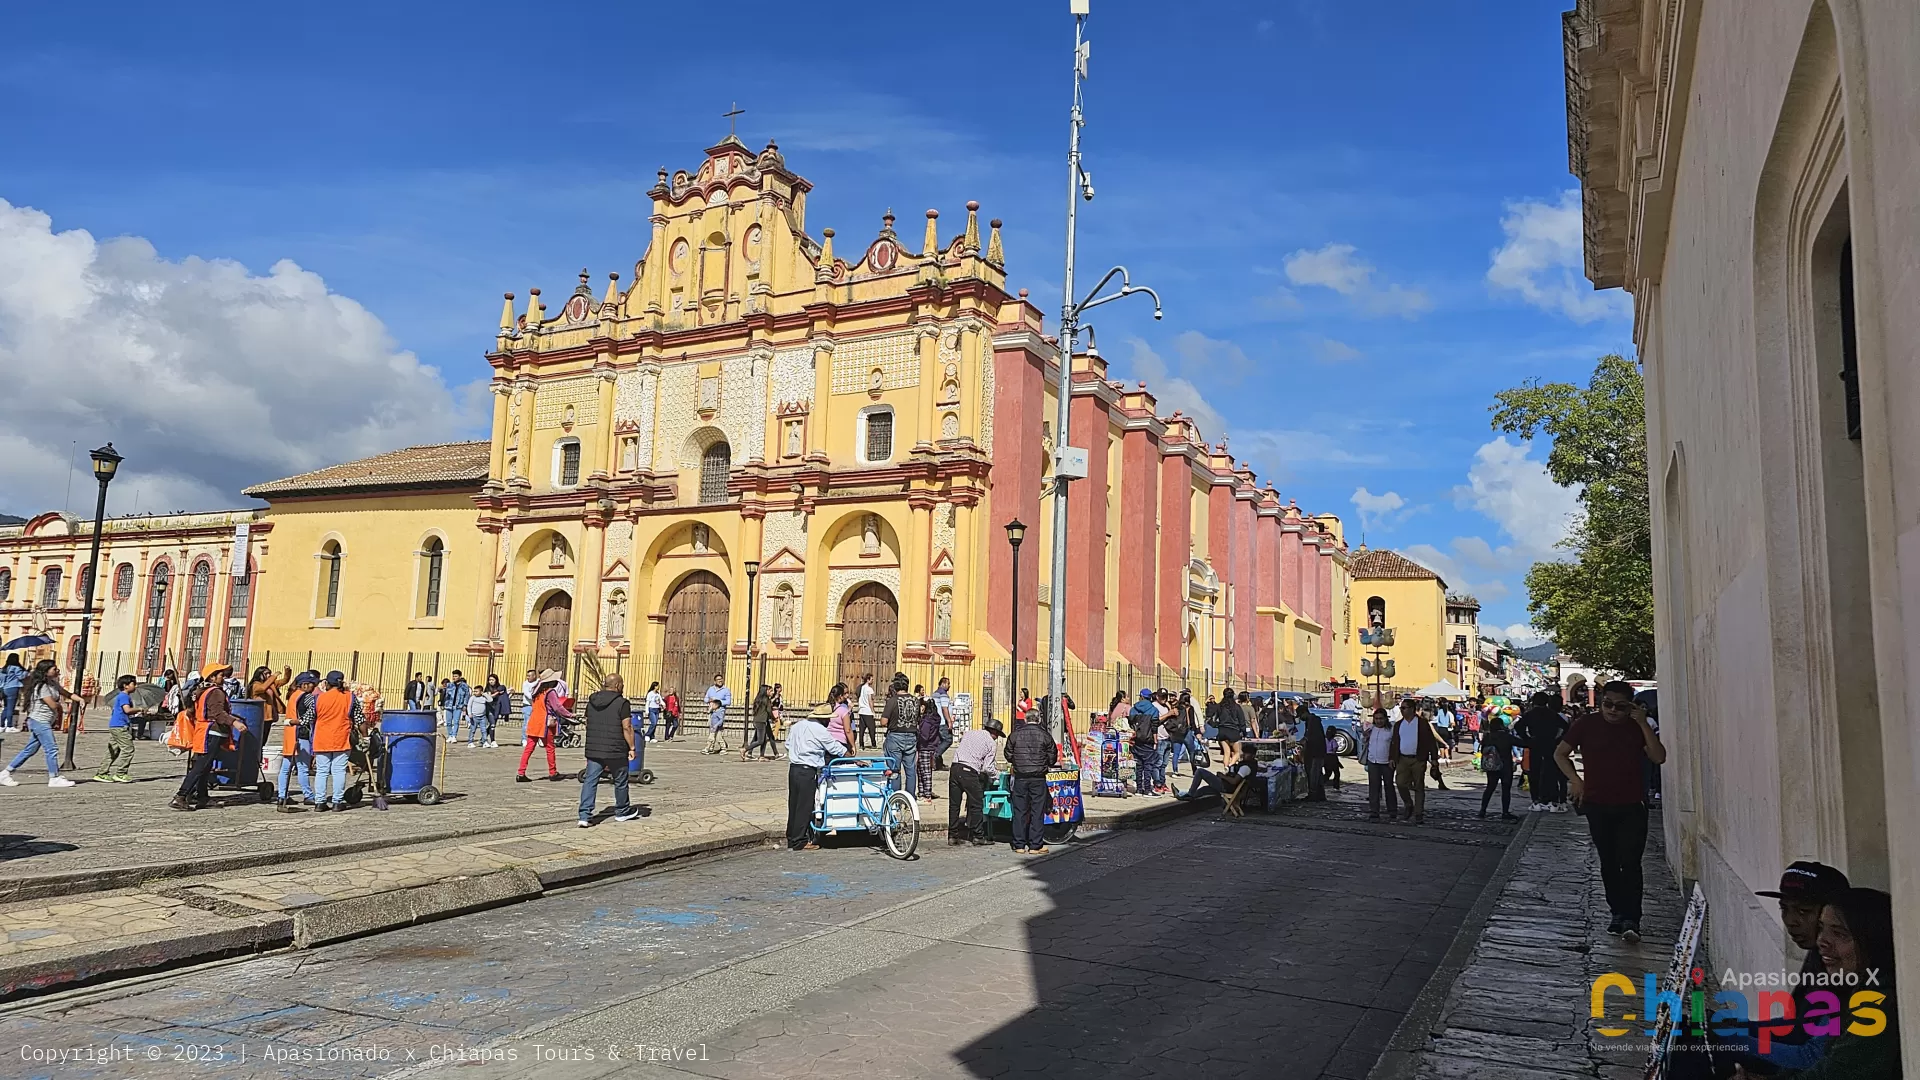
(1127,288)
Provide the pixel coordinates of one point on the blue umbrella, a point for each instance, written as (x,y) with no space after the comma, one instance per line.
(31,641)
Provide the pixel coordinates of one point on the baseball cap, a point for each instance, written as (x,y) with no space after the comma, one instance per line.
(1809,882)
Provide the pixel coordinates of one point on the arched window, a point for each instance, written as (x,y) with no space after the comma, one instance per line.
(73,655)
(239,612)
(156,620)
(199,590)
(80,582)
(50,587)
(6,583)
(433,559)
(330,559)
(715,462)
(1376,612)
(123,581)
(617,616)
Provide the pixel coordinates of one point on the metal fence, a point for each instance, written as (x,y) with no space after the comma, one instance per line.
(990,688)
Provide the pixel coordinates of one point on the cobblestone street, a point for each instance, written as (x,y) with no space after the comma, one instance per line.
(1290,945)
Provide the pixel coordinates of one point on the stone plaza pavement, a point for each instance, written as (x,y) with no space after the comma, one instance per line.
(1519,1004)
(105,881)
(1294,945)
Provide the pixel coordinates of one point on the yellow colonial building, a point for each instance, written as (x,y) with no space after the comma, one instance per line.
(825,436)
(1392,591)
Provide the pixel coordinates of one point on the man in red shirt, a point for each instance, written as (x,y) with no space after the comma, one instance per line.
(1614,743)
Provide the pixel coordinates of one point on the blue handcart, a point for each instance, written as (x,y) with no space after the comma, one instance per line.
(863,794)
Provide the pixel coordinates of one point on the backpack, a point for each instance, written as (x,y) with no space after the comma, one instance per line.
(1143,717)
(1177,724)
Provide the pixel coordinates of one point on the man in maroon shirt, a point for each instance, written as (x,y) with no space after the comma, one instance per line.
(1614,744)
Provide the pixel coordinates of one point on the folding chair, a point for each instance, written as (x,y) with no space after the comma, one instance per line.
(1233,800)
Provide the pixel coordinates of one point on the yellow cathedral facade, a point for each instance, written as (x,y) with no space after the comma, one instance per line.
(840,429)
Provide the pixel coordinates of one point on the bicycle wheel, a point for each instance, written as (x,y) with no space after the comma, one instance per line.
(900,825)
(1060,832)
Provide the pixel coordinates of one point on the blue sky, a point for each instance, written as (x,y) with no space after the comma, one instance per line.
(1354,213)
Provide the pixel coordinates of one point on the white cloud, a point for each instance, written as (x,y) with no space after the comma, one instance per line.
(1173,393)
(1509,486)
(206,376)
(1543,261)
(1222,361)
(1329,351)
(1523,635)
(1369,503)
(1336,267)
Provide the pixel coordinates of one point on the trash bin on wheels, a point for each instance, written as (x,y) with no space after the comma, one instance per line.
(237,767)
(416,753)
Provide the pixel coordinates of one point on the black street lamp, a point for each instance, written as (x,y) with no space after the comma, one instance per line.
(753,571)
(105,463)
(1016,532)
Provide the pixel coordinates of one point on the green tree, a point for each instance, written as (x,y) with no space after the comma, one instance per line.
(1598,607)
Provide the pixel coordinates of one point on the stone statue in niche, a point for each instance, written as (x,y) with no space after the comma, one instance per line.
(701,537)
(950,426)
(943,615)
(709,393)
(794,439)
(870,535)
(783,615)
(557,555)
(567,417)
(878,382)
(513,468)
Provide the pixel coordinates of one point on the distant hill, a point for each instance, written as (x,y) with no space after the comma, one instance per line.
(9,519)
(1542,653)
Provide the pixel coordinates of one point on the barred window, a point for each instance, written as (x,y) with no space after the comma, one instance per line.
(715,462)
(123,581)
(50,587)
(880,435)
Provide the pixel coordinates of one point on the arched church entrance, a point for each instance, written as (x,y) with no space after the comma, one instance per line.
(870,635)
(696,645)
(555,627)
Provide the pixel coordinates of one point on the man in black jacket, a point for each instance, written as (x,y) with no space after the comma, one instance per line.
(1539,730)
(1031,751)
(1313,751)
(609,748)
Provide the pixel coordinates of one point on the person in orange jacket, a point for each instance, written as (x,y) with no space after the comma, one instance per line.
(331,715)
(210,726)
(296,746)
(544,713)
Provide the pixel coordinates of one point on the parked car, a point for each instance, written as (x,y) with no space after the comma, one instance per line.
(1343,727)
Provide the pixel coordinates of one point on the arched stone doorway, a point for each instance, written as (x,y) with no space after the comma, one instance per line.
(870,634)
(555,622)
(696,645)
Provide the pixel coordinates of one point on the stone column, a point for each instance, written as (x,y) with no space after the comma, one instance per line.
(524,390)
(606,447)
(490,530)
(497,455)
(965,545)
(916,591)
(752,537)
(926,423)
(586,584)
(820,413)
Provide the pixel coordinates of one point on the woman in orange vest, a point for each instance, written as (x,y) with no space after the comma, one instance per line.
(209,726)
(544,714)
(296,748)
(331,716)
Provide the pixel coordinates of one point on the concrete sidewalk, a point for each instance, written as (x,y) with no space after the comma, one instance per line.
(306,898)
(1512,998)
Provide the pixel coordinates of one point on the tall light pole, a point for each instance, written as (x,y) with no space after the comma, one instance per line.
(105,464)
(753,639)
(1079,186)
(1016,532)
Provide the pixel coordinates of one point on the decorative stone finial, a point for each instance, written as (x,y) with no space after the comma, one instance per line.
(932,246)
(972,242)
(995,255)
(506,313)
(534,307)
(613,289)
(886,222)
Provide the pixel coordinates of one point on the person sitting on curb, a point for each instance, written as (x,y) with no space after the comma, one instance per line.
(1244,769)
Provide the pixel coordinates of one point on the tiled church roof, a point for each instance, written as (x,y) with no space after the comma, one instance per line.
(458,464)
(1378,564)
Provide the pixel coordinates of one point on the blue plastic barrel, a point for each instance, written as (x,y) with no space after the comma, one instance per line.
(239,766)
(411,747)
